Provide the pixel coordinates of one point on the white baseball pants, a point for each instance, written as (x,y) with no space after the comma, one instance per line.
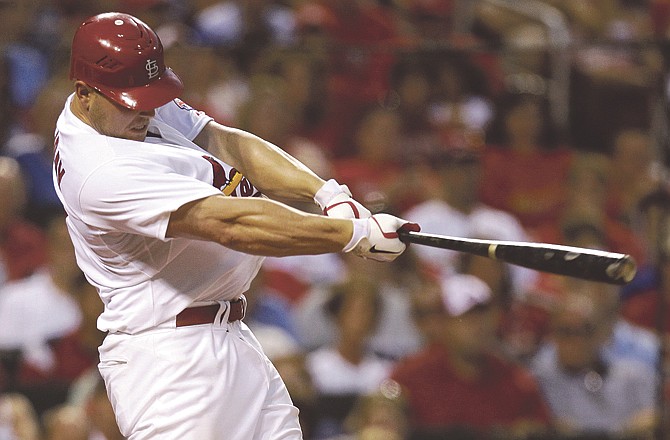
(201,382)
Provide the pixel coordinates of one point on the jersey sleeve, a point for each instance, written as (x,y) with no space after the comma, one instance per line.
(137,196)
(182,117)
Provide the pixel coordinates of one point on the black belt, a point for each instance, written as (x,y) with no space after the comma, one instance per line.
(207,314)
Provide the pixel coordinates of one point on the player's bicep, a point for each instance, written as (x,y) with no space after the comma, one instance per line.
(191,219)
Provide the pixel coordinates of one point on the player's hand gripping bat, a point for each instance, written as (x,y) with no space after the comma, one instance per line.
(588,264)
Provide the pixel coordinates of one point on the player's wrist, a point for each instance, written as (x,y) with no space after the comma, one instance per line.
(361,230)
(335,201)
(328,192)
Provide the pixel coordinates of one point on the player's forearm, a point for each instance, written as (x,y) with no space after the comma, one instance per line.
(260,227)
(273,171)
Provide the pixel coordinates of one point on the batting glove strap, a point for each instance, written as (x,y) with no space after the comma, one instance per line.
(325,195)
(335,201)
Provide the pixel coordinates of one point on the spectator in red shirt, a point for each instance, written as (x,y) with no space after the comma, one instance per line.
(374,170)
(359,37)
(458,383)
(22,244)
(524,169)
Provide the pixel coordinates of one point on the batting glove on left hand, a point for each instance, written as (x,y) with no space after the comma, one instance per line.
(335,201)
(377,238)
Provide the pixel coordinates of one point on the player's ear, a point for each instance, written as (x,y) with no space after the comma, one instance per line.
(83,92)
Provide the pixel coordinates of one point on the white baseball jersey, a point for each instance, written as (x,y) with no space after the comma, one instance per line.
(119,195)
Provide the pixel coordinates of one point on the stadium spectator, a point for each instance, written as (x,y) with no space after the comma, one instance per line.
(612,85)
(371,172)
(412,88)
(634,173)
(214,82)
(458,211)
(427,310)
(524,167)
(583,386)
(347,369)
(267,307)
(21,243)
(35,313)
(461,107)
(583,223)
(33,146)
(380,415)
(65,422)
(18,420)
(585,209)
(645,300)
(266,110)
(395,334)
(358,38)
(304,78)
(459,384)
(245,26)
(88,416)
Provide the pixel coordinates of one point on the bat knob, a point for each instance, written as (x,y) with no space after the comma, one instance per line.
(622,271)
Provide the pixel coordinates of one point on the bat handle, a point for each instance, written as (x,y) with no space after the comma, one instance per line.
(404,235)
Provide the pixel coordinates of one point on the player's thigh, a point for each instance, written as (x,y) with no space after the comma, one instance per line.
(196,383)
(129,372)
(278,419)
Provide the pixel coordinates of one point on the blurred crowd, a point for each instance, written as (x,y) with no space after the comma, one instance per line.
(533,120)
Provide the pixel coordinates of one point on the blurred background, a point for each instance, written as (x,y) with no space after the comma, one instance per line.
(533,120)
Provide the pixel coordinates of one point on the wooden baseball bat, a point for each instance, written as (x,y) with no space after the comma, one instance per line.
(588,264)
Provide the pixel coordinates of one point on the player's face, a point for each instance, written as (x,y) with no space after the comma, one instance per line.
(112,119)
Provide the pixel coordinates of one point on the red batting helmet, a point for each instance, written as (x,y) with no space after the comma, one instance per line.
(122,58)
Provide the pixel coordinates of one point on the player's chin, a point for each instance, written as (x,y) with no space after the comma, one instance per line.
(136,134)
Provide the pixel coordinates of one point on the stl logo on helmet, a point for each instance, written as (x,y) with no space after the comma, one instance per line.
(151,68)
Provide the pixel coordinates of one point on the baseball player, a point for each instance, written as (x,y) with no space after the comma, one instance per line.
(170,229)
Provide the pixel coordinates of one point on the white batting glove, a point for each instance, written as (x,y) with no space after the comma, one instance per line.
(376,237)
(335,201)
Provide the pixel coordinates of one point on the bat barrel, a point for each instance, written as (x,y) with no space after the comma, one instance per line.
(610,268)
(576,262)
